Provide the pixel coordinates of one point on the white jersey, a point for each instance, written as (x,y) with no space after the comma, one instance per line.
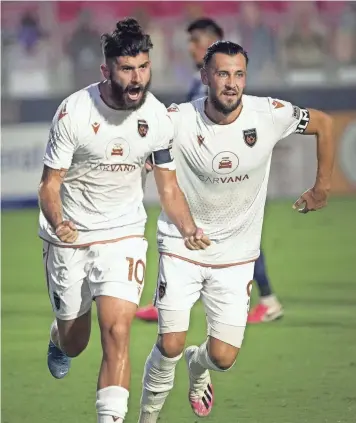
(104,151)
(223,171)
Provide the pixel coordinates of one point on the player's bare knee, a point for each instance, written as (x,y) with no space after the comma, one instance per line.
(222,354)
(115,338)
(171,344)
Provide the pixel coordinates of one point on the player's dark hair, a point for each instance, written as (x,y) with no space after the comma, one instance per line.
(206,24)
(128,39)
(225,47)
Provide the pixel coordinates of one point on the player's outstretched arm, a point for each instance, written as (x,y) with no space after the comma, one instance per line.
(321,125)
(51,204)
(176,207)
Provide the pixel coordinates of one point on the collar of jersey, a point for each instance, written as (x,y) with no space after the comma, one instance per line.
(217,125)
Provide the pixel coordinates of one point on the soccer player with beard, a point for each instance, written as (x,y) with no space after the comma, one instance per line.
(222,145)
(92,219)
(202,33)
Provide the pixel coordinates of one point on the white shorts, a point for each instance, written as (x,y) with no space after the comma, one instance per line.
(225,293)
(75,276)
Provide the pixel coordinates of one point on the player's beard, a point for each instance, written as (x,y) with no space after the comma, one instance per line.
(224,108)
(120,96)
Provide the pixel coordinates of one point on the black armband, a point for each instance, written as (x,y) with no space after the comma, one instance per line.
(161,157)
(304,119)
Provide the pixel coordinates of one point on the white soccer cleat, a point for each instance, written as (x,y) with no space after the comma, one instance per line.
(201,394)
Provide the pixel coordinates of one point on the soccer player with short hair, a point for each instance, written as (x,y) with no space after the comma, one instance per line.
(202,33)
(223,145)
(92,218)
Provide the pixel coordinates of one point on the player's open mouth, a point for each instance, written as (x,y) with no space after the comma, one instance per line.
(134,93)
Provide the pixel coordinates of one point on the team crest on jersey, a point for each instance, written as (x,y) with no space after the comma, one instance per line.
(250,136)
(142,127)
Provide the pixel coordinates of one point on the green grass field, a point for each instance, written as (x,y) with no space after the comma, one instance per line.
(301,369)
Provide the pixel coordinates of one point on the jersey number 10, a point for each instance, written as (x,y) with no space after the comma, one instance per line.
(136,270)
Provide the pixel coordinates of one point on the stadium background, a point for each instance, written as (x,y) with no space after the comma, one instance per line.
(301,369)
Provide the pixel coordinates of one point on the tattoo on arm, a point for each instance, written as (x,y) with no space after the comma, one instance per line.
(49,174)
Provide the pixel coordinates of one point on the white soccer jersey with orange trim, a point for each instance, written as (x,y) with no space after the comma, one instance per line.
(223,171)
(104,151)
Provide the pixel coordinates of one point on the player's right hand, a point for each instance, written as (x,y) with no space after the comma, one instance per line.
(149,164)
(67,232)
(197,241)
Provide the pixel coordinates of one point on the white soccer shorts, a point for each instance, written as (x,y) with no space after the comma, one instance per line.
(225,293)
(75,276)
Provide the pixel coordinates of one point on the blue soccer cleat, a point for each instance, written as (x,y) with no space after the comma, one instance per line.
(58,362)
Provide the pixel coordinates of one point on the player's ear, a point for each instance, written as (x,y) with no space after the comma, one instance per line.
(204,76)
(105,70)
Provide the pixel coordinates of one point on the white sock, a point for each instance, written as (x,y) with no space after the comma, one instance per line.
(111,404)
(54,335)
(200,361)
(158,379)
(269,301)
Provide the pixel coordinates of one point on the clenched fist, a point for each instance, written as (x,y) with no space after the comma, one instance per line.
(197,241)
(67,232)
(311,200)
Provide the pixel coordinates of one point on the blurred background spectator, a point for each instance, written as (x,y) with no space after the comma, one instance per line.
(259,41)
(51,48)
(84,51)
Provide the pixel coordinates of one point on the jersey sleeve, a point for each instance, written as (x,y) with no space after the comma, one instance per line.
(162,155)
(62,140)
(175,116)
(288,118)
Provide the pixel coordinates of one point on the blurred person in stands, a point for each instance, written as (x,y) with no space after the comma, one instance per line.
(259,41)
(84,51)
(203,33)
(29,32)
(28,60)
(159,53)
(345,36)
(304,42)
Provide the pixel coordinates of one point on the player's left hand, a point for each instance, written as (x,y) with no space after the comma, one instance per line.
(311,200)
(197,241)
